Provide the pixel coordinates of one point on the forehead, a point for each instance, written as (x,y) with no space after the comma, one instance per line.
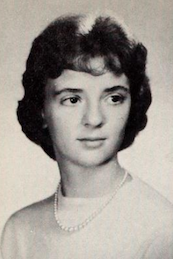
(86,81)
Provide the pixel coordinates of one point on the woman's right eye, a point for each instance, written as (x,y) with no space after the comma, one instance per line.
(70,101)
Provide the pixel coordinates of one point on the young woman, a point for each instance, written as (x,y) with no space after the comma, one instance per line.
(86,98)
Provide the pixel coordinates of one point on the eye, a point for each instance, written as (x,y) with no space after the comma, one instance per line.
(115,99)
(70,101)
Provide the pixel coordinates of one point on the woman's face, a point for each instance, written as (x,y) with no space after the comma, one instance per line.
(86,116)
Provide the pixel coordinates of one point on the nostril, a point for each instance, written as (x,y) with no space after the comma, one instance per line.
(93,125)
(99,125)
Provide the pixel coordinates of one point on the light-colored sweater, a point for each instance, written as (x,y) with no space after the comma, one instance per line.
(138,223)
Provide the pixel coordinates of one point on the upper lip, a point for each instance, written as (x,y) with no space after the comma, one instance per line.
(91,139)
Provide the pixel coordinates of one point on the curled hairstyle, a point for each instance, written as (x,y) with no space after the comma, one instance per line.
(71,42)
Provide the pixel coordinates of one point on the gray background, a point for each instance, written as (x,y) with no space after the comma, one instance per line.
(26,173)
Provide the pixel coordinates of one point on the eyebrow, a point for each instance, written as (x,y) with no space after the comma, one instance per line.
(68,90)
(78,90)
(116,88)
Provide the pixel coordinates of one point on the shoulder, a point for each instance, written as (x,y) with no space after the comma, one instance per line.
(148,206)
(152,198)
(25,226)
(161,244)
(30,217)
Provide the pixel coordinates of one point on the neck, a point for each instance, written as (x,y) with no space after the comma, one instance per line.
(90,182)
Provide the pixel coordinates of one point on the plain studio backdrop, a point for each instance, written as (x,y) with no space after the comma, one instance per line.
(26,173)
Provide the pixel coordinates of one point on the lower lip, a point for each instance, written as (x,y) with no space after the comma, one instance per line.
(92,144)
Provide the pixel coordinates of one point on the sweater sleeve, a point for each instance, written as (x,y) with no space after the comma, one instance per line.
(9,243)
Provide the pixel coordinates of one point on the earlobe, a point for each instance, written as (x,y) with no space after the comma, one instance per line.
(44,125)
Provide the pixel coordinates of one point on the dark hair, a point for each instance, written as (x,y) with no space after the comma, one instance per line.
(67,43)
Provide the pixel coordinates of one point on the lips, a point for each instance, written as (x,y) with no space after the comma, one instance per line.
(91,139)
(92,143)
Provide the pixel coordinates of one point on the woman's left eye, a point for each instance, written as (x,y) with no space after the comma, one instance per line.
(115,99)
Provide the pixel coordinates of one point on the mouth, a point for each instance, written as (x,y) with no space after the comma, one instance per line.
(92,139)
(92,143)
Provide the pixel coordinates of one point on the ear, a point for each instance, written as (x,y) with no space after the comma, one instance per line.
(44,125)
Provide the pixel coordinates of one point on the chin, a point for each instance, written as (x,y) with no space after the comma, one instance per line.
(94,161)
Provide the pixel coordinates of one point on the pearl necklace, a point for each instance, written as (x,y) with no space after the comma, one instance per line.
(92,216)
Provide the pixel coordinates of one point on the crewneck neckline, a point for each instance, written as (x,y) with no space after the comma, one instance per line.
(72,211)
(81,201)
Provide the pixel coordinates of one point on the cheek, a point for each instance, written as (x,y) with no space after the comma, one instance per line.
(62,127)
(118,118)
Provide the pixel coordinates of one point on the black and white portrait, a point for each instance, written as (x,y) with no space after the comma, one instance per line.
(86,130)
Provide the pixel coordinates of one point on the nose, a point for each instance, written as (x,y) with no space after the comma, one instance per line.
(93,116)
